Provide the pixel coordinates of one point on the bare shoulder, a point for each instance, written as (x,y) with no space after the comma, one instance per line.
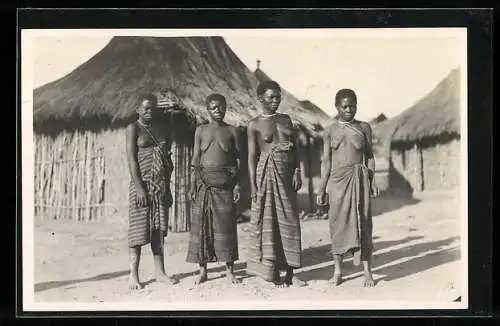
(332,126)
(200,129)
(252,124)
(233,130)
(284,116)
(131,127)
(365,126)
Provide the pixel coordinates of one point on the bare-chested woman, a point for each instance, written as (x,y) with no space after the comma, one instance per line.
(214,192)
(347,168)
(150,168)
(273,163)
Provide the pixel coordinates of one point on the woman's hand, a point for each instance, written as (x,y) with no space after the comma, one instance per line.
(320,198)
(374,191)
(192,193)
(236,193)
(296,180)
(253,191)
(141,197)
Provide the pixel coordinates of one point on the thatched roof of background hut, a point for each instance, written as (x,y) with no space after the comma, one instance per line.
(104,91)
(316,117)
(435,116)
(313,108)
(378,119)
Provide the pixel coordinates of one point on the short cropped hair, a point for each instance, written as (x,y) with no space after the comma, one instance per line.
(215,97)
(345,93)
(268,84)
(149,97)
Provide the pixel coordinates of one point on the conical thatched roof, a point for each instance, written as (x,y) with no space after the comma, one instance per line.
(317,118)
(104,91)
(378,119)
(311,107)
(436,115)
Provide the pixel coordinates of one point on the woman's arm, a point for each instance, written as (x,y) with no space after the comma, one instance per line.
(195,160)
(369,158)
(295,140)
(133,164)
(252,157)
(326,163)
(237,147)
(297,177)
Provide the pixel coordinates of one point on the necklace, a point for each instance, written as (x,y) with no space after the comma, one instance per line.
(143,124)
(268,115)
(346,122)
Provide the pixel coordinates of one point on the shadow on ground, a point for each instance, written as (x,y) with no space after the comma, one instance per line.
(413,265)
(43,286)
(239,271)
(322,254)
(389,202)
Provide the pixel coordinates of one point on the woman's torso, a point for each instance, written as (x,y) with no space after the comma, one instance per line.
(152,136)
(273,130)
(217,146)
(348,143)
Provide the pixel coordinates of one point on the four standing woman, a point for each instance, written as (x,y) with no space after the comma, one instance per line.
(274,170)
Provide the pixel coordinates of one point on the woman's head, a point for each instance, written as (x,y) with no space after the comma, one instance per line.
(346,104)
(147,107)
(216,106)
(269,94)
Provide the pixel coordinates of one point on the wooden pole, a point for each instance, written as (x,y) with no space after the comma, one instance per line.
(419,168)
(88,176)
(74,170)
(309,173)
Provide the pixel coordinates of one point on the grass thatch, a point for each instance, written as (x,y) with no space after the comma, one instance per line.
(316,118)
(378,119)
(103,92)
(311,107)
(435,116)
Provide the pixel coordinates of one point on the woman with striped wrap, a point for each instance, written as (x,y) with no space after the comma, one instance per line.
(273,162)
(150,168)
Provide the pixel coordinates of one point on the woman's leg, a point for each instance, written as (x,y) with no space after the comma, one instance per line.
(230,273)
(337,272)
(367,269)
(135,257)
(202,276)
(159,259)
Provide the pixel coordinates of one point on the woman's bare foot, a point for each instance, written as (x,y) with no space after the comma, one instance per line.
(201,278)
(368,281)
(294,281)
(231,278)
(164,278)
(134,284)
(336,279)
(280,284)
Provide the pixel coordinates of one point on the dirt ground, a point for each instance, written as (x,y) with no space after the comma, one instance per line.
(416,258)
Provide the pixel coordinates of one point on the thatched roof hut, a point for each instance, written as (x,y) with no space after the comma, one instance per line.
(311,107)
(79,120)
(103,92)
(422,144)
(378,119)
(315,120)
(436,115)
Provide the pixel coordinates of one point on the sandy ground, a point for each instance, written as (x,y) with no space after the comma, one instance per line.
(416,258)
